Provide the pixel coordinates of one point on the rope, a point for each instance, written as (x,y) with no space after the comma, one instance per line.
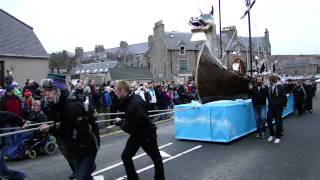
(105,120)
(21,131)
(151,111)
(105,114)
(29,125)
(100,121)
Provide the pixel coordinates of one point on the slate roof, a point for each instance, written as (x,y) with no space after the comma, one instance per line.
(256,42)
(130,49)
(172,39)
(95,67)
(17,39)
(130,73)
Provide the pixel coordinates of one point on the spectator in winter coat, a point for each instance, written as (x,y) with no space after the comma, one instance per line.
(36,115)
(153,101)
(163,102)
(10,102)
(106,101)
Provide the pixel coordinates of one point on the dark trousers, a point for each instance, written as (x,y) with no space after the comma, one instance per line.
(276,114)
(309,104)
(150,146)
(65,151)
(299,106)
(84,166)
(7,173)
(260,114)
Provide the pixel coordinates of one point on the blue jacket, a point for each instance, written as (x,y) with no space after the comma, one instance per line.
(107,102)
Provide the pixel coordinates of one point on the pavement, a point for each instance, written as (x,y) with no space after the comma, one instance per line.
(296,157)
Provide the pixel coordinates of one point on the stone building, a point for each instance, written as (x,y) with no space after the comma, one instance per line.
(21,52)
(292,65)
(174,56)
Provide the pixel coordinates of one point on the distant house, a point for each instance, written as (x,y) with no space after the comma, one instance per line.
(107,71)
(301,65)
(134,55)
(21,52)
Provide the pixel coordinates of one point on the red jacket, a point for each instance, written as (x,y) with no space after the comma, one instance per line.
(11,103)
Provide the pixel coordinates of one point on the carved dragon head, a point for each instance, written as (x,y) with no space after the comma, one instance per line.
(202,23)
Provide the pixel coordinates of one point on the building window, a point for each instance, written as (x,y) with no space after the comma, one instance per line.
(182,50)
(183,65)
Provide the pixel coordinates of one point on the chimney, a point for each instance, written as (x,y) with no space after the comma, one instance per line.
(78,51)
(158,28)
(229,31)
(150,39)
(123,44)
(266,35)
(98,48)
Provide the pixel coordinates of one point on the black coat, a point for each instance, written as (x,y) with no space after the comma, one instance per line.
(136,120)
(259,96)
(73,125)
(277,98)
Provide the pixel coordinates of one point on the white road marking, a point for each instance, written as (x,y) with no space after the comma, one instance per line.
(173,157)
(120,163)
(164,154)
(98,177)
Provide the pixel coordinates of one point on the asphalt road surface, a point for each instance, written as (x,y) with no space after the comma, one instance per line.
(296,157)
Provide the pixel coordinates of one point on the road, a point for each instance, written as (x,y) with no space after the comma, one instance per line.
(296,157)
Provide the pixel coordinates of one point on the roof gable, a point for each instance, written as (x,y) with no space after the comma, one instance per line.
(17,39)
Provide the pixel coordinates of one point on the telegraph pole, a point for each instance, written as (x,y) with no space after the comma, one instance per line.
(247,12)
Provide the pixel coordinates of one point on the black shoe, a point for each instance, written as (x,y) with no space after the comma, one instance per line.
(72,176)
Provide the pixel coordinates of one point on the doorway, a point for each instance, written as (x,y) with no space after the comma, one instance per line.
(2,73)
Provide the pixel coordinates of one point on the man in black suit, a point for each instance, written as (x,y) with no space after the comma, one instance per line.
(277,101)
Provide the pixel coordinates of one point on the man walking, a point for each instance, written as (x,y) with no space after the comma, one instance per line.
(142,131)
(259,94)
(74,128)
(277,101)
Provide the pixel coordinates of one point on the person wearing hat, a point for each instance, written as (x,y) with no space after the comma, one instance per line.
(77,133)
